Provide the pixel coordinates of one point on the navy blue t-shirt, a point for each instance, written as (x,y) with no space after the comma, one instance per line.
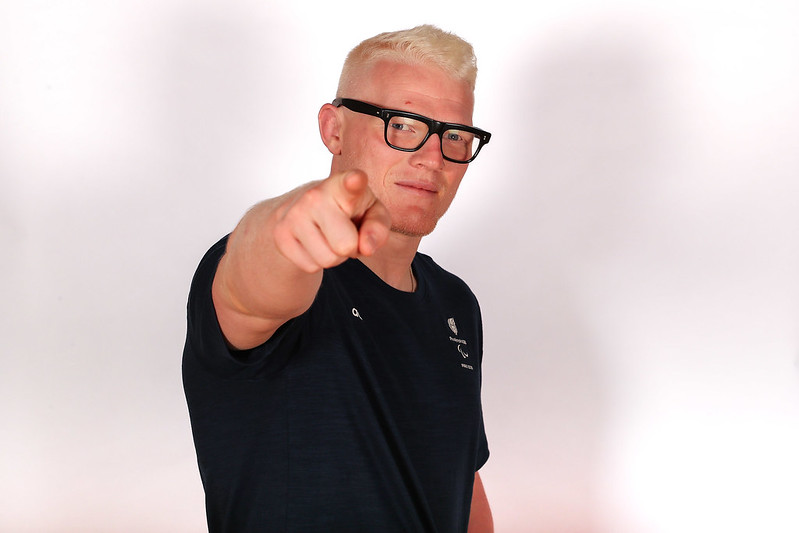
(362,414)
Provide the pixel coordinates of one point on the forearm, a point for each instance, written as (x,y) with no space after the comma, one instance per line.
(256,288)
(273,264)
(258,273)
(480,518)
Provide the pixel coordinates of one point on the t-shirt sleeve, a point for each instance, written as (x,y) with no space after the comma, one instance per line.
(482,443)
(205,342)
(482,447)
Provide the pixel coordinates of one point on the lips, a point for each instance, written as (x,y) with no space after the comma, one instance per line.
(419,185)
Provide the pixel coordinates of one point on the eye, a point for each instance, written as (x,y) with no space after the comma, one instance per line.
(458,137)
(406,125)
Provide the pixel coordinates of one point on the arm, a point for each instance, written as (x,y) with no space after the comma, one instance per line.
(272,267)
(480,519)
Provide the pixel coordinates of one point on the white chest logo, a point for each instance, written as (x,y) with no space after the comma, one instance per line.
(460,344)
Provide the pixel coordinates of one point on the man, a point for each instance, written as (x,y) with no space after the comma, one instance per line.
(332,372)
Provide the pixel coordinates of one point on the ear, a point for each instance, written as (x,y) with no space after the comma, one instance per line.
(330,127)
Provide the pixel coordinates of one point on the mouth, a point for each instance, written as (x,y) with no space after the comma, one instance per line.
(421,187)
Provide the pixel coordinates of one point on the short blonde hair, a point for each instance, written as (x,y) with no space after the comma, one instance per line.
(422,45)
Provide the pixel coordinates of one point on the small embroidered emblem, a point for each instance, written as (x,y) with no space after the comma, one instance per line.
(452,326)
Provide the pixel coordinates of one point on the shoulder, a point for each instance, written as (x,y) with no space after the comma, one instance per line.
(209,262)
(437,276)
(439,285)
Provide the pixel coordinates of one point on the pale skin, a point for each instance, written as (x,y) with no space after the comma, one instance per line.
(376,205)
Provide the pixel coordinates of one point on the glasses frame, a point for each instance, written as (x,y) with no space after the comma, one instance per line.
(434,127)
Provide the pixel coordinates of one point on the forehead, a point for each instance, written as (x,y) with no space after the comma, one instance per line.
(422,89)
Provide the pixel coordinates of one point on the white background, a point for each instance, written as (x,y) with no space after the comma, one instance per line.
(632,231)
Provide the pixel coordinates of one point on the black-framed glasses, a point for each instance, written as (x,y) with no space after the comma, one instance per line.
(408,132)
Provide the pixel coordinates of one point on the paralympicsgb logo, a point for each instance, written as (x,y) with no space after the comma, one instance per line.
(452,325)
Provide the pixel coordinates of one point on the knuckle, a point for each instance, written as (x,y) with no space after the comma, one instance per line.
(330,261)
(345,247)
(313,198)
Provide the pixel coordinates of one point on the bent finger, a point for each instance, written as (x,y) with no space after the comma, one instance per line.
(294,251)
(374,229)
(315,242)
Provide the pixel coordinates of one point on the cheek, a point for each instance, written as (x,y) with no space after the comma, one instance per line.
(367,154)
(454,182)
(362,137)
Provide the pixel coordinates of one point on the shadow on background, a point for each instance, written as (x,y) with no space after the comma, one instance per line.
(587,138)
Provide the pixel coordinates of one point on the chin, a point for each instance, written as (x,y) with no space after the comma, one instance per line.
(414,222)
(415,230)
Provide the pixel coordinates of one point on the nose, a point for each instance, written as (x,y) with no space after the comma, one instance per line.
(429,155)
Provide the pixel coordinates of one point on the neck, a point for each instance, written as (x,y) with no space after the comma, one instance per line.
(392,262)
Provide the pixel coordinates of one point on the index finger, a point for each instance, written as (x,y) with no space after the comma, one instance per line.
(351,193)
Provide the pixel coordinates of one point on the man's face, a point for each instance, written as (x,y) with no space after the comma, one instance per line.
(416,187)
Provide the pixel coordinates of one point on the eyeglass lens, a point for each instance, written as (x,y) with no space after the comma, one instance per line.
(409,134)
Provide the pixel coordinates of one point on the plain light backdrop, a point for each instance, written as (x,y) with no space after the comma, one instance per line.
(632,232)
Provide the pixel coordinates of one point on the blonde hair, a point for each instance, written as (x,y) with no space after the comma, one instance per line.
(422,45)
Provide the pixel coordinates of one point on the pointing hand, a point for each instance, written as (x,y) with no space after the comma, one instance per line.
(330,221)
